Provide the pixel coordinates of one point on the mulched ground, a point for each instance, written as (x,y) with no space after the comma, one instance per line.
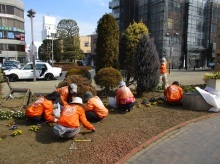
(115,136)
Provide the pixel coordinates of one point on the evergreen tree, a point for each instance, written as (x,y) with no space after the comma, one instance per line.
(69,33)
(107,43)
(127,48)
(147,66)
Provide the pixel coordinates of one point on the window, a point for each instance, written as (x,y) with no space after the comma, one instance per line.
(170,23)
(28,67)
(10,10)
(86,44)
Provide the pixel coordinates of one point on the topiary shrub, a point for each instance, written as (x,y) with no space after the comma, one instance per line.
(108,78)
(83,84)
(79,71)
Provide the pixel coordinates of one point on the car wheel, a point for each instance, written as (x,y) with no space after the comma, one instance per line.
(13,77)
(49,76)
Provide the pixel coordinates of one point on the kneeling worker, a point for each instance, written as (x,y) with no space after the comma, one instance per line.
(174,93)
(95,110)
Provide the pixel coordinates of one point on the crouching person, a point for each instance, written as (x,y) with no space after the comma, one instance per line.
(42,109)
(174,93)
(125,99)
(68,125)
(95,110)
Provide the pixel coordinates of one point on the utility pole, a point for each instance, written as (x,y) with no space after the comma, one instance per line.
(31,15)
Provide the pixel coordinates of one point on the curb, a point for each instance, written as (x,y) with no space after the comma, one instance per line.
(153,139)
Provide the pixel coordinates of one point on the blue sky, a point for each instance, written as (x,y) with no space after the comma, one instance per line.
(85,12)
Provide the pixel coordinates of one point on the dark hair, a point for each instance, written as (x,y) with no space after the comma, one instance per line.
(54,96)
(176,83)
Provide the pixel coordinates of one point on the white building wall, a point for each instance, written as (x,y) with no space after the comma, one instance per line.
(49,26)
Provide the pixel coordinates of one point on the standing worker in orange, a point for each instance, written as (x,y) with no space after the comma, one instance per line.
(163,73)
(67,93)
(95,110)
(125,99)
(174,93)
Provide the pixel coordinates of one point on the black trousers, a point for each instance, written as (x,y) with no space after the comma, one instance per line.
(125,107)
(92,116)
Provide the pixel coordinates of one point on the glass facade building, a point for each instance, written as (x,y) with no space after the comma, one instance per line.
(184,31)
(12,33)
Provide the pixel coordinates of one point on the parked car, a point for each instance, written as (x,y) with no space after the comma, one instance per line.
(43,71)
(8,66)
(212,65)
(15,62)
(81,63)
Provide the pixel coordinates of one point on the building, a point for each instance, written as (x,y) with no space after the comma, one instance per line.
(12,33)
(184,31)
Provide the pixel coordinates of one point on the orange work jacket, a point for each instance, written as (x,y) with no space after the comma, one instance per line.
(163,68)
(174,93)
(95,104)
(122,94)
(39,107)
(64,91)
(72,115)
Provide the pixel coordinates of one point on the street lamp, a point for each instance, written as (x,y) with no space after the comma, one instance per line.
(53,36)
(171,47)
(31,15)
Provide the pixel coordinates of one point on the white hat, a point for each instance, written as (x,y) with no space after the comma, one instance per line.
(77,100)
(122,83)
(73,87)
(163,59)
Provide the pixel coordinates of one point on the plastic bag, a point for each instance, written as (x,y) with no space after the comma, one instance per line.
(56,111)
(112,102)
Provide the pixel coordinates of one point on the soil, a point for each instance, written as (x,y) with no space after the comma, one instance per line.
(115,136)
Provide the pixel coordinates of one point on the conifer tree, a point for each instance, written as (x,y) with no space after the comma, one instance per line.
(128,47)
(147,66)
(107,43)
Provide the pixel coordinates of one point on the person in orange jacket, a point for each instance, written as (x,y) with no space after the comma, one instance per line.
(125,99)
(95,110)
(68,125)
(174,93)
(163,73)
(42,109)
(67,93)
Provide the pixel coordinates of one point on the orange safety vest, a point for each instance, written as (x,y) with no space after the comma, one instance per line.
(39,107)
(163,68)
(72,115)
(174,93)
(95,104)
(64,92)
(124,95)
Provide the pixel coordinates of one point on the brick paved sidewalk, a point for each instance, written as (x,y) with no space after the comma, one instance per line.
(197,142)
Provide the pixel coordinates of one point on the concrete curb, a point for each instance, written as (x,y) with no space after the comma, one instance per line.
(153,139)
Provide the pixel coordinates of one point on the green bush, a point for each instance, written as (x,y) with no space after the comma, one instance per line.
(83,84)
(108,78)
(79,71)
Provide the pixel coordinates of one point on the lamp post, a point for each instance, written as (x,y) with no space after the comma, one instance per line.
(53,36)
(171,47)
(31,15)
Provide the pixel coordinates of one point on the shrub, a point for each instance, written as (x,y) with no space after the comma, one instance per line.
(79,71)
(83,84)
(214,75)
(108,78)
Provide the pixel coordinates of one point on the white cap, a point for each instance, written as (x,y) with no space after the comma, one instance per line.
(122,83)
(163,59)
(73,87)
(77,100)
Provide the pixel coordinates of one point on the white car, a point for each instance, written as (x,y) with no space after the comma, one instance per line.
(43,71)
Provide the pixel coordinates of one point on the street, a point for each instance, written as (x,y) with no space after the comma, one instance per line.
(184,77)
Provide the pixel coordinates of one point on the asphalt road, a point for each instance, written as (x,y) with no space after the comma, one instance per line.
(185,77)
